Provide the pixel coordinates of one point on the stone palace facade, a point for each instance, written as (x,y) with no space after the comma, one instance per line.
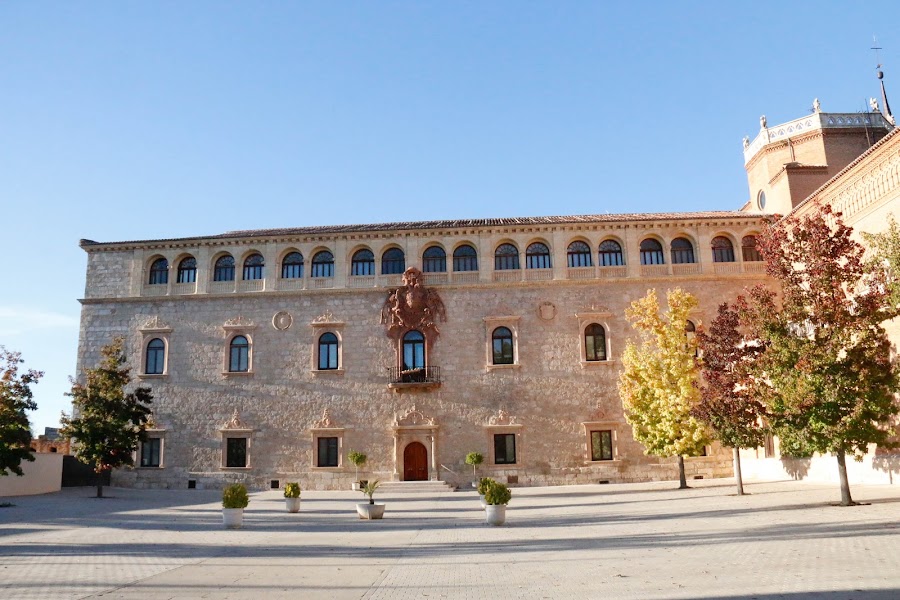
(273,353)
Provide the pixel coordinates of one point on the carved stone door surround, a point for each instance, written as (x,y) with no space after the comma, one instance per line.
(415,426)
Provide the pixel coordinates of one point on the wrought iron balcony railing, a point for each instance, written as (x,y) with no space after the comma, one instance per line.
(422,375)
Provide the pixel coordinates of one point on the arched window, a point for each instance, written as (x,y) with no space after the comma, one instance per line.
(224,269)
(610,254)
(722,249)
(253,267)
(465,258)
(187,270)
(506,257)
(502,346)
(362,263)
(323,264)
(393,262)
(537,256)
(682,251)
(159,272)
(155,362)
(328,352)
(239,355)
(579,255)
(413,351)
(749,250)
(690,332)
(594,342)
(434,260)
(652,252)
(292,266)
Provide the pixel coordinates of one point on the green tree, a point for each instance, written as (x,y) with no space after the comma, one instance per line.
(727,406)
(885,256)
(826,375)
(108,422)
(15,399)
(658,379)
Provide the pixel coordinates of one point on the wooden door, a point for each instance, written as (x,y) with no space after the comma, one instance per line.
(415,462)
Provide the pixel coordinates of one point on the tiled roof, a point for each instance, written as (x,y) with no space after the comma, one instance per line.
(453,224)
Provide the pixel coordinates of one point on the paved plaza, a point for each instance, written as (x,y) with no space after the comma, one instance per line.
(641,541)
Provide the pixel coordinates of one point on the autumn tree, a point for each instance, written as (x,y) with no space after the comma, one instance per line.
(727,404)
(108,422)
(885,257)
(826,375)
(658,379)
(15,399)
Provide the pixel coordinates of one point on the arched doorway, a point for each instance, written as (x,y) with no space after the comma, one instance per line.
(415,462)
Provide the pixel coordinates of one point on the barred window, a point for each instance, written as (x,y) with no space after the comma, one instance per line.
(236,452)
(327,454)
(187,270)
(682,251)
(610,254)
(465,258)
(601,445)
(224,269)
(362,263)
(506,257)
(434,260)
(292,266)
(537,256)
(253,267)
(579,255)
(652,252)
(505,448)
(323,264)
(393,262)
(159,272)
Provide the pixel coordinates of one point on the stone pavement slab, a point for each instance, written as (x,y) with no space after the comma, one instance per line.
(640,541)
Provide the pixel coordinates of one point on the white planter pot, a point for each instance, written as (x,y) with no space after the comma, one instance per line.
(233,518)
(495,514)
(293,504)
(483,503)
(370,511)
(475,484)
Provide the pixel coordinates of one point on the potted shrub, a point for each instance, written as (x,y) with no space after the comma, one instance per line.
(474,459)
(234,501)
(292,496)
(497,497)
(370,510)
(358,459)
(483,484)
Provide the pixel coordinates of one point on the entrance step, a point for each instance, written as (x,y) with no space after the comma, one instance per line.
(391,487)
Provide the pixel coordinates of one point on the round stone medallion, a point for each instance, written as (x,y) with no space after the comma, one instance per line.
(282,320)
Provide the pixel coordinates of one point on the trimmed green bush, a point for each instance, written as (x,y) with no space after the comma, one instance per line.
(235,496)
(497,493)
(292,490)
(483,484)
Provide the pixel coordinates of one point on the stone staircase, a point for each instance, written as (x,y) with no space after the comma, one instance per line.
(417,487)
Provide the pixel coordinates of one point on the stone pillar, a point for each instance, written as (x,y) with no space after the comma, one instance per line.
(434,468)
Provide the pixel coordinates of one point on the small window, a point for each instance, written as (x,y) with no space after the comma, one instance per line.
(224,269)
(690,332)
(652,253)
(610,254)
(682,251)
(150,452)
(761,200)
(323,264)
(504,448)
(413,351)
(327,455)
(594,342)
(506,257)
(155,362)
(601,445)
(722,249)
(465,258)
(239,355)
(749,250)
(579,255)
(159,272)
(292,266)
(537,256)
(502,346)
(328,352)
(362,263)
(253,267)
(434,260)
(187,270)
(393,262)
(236,452)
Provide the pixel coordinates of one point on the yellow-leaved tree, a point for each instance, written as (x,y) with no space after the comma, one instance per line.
(658,379)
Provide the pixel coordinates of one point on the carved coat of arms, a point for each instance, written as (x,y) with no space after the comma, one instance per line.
(413,306)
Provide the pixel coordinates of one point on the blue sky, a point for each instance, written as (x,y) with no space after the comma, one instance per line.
(163,119)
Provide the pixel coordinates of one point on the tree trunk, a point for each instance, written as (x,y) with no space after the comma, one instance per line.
(846,500)
(737,472)
(682,480)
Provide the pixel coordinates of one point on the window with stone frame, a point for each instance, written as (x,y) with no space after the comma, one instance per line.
(579,255)
(594,342)
(239,354)
(749,250)
(610,254)
(465,258)
(159,272)
(393,262)
(327,451)
(502,348)
(602,444)
(328,352)
(434,260)
(155,357)
(237,452)
(254,267)
(506,257)
(151,452)
(224,268)
(323,264)
(682,251)
(537,256)
(504,448)
(362,263)
(292,266)
(187,270)
(652,252)
(722,249)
